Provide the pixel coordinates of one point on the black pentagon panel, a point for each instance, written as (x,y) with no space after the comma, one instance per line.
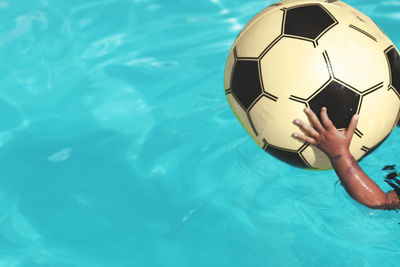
(394,64)
(340,102)
(307,21)
(246,84)
(291,158)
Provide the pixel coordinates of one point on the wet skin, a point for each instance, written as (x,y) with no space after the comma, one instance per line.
(335,144)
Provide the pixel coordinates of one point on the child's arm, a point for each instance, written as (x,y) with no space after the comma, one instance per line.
(336,145)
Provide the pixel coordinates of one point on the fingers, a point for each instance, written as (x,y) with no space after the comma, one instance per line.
(325,119)
(307,128)
(314,120)
(352,126)
(305,138)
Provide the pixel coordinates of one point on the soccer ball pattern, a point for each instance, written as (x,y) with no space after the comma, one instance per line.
(296,54)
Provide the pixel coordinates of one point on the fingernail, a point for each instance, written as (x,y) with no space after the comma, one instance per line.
(356,116)
(323,108)
(296,121)
(294,135)
(307,110)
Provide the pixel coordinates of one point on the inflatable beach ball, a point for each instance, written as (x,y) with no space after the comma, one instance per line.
(297,54)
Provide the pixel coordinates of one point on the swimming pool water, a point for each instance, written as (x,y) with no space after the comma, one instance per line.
(118,147)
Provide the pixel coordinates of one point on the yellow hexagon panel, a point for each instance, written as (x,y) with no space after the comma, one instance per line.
(241,116)
(348,15)
(274,121)
(358,63)
(252,42)
(316,158)
(262,113)
(357,143)
(258,16)
(291,3)
(293,67)
(228,70)
(378,115)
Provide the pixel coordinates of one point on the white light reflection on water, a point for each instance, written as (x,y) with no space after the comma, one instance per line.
(123,150)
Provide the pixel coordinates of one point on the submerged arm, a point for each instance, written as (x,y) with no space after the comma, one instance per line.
(360,187)
(336,144)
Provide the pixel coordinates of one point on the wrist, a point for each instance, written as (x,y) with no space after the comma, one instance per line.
(337,155)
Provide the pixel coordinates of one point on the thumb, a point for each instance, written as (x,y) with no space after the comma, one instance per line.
(352,126)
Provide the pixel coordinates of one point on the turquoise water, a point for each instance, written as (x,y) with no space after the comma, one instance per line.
(118,147)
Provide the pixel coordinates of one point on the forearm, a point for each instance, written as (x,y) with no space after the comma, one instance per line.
(360,186)
(335,144)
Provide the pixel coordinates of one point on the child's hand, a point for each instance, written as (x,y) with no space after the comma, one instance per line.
(325,136)
(336,144)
